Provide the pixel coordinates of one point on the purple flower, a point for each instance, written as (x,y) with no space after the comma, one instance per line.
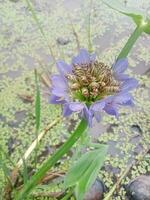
(89,87)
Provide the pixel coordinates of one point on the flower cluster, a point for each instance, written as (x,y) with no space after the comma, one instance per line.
(88,87)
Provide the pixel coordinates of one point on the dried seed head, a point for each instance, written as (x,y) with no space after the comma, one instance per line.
(93,80)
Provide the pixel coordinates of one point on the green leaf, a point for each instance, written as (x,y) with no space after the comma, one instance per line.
(146,27)
(138,16)
(85,171)
(78,169)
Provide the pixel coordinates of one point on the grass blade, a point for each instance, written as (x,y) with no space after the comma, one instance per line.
(40,27)
(37,113)
(5,169)
(74,32)
(53,160)
(25,171)
(37,103)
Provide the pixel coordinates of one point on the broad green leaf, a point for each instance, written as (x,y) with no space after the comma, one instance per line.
(84,172)
(78,169)
(90,175)
(138,16)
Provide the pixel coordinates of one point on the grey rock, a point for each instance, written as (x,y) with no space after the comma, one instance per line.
(63,41)
(139,188)
(96,191)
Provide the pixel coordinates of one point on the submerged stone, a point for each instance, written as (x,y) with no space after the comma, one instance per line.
(139,188)
(63,41)
(96,191)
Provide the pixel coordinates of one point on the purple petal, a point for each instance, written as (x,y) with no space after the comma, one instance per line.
(97,106)
(120,66)
(82,58)
(129,84)
(111,110)
(56,100)
(97,116)
(123,98)
(76,107)
(128,103)
(66,110)
(59,92)
(63,67)
(88,116)
(58,82)
(121,77)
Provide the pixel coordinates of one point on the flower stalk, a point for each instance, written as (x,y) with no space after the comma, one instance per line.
(53,159)
(131,41)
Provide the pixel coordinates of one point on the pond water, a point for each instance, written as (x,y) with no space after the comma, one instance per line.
(23,48)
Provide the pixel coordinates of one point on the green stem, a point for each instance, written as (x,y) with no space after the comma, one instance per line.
(53,160)
(131,41)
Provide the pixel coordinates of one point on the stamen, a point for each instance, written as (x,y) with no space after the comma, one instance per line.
(93,80)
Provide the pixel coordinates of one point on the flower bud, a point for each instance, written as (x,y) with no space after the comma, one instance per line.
(85,92)
(75,86)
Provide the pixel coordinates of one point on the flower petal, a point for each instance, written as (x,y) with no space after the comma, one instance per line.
(59,92)
(97,106)
(97,116)
(66,110)
(123,99)
(63,67)
(129,85)
(56,100)
(111,110)
(76,106)
(82,58)
(121,77)
(58,82)
(120,66)
(88,116)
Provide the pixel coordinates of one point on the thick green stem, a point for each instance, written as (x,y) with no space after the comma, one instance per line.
(53,160)
(131,41)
